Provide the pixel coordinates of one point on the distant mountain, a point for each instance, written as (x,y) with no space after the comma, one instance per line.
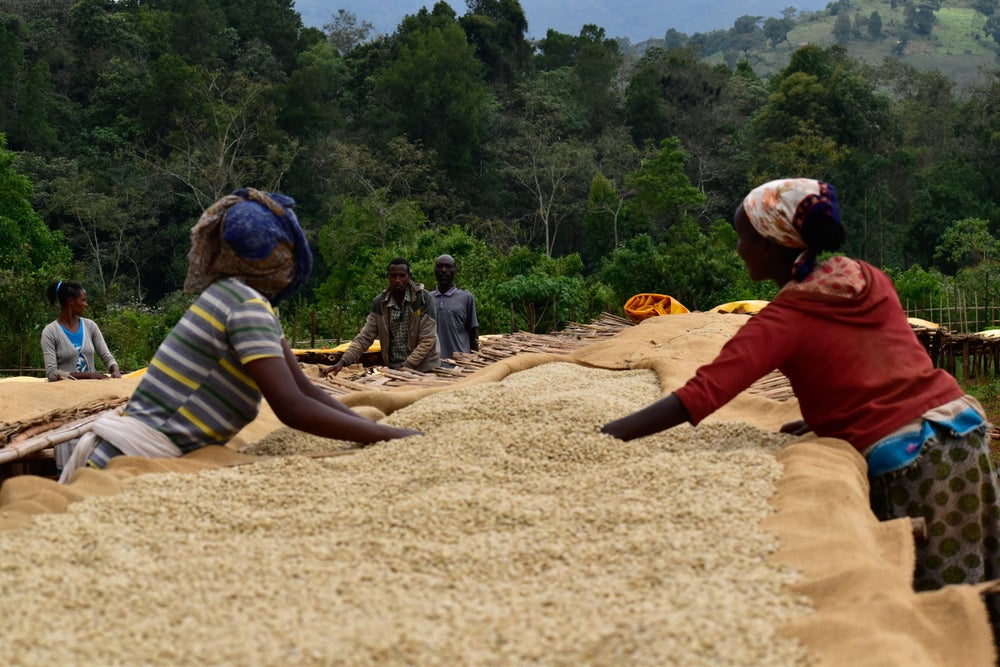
(638,21)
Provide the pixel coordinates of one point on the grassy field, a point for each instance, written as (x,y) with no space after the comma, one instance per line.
(957,46)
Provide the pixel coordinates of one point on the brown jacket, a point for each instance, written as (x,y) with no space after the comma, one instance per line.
(421,338)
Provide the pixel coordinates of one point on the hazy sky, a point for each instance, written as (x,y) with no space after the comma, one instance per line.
(636,19)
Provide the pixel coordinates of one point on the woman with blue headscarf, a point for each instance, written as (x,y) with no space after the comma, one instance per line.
(206,380)
(836,329)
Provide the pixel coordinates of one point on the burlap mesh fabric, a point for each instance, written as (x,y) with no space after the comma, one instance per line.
(856,571)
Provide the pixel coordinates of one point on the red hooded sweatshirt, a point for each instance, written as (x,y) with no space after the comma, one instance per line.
(855,364)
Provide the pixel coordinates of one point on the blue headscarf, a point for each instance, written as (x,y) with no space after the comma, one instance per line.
(252,235)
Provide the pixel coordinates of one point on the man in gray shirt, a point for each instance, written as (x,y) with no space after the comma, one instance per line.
(457,326)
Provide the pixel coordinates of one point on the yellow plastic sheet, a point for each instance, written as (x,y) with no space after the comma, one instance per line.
(641,306)
(749,307)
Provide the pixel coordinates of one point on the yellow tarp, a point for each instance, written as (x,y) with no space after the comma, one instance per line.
(748,306)
(641,306)
(374,347)
(917,322)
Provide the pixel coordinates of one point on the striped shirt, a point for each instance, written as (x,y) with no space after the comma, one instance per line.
(196,390)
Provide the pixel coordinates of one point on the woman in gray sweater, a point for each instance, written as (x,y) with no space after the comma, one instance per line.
(71,340)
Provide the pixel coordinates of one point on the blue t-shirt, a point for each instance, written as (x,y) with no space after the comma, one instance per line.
(76,340)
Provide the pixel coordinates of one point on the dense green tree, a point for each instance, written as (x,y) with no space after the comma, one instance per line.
(312,104)
(635,267)
(917,287)
(555,50)
(968,242)
(875,26)
(497,29)
(198,32)
(977,127)
(545,293)
(746,34)
(716,41)
(26,91)
(969,245)
(674,94)
(30,122)
(273,24)
(806,150)
(776,29)
(943,193)
(395,186)
(114,108)
(30,256)
(992,28)
(674,39)
(603,221)
(664,195)
(109,226)
(432,91)
(704,269)
(825,119)
(842,31)
(919,15)
(986,7)
(166,99)
(11,54)
(596,68)
(645,109)
(26,244)
(617,157)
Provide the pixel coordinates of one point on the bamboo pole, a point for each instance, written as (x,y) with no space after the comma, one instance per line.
(50,438)
(975,310)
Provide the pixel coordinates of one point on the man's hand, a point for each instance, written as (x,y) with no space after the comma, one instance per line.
(335,369)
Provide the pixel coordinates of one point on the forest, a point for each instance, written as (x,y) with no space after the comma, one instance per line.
(564,174)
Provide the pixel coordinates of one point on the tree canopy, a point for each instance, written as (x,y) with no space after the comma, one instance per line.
(564,173)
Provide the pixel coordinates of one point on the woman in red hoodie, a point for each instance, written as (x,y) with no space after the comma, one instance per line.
(836,329)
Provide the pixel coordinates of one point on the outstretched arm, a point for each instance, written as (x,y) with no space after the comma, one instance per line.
(655,417)
(361,342)
(306,412)
(306,386)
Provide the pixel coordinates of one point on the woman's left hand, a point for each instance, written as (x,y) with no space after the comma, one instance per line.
(797,427)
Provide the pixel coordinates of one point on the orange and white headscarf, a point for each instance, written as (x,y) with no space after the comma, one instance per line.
(780,210)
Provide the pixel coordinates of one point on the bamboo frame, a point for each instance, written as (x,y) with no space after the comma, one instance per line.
(52,437)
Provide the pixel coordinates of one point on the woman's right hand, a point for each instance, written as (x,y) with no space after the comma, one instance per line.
(402,432)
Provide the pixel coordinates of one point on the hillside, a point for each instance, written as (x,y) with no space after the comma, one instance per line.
(634,21)
(957,45)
